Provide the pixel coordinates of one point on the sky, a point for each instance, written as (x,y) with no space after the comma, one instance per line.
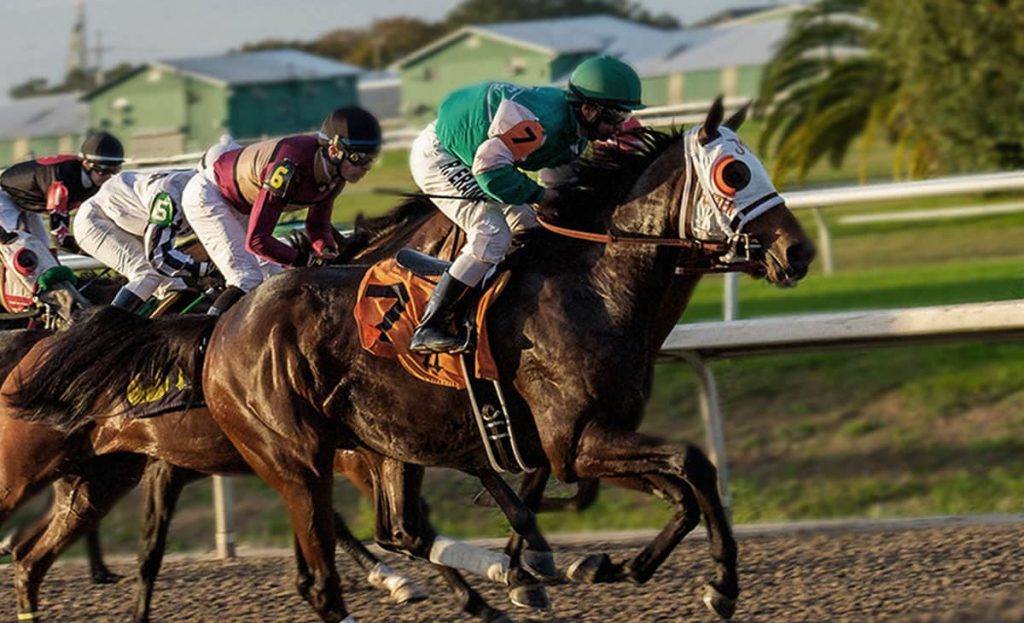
(34,33)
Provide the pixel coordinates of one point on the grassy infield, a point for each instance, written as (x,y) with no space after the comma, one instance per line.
(907,431)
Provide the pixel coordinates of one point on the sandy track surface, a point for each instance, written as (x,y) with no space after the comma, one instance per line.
(949,574)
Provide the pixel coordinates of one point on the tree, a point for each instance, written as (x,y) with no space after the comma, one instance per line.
(490,11)
(823,89)
(960,70)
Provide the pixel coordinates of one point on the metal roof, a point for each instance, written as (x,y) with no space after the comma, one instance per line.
(262,67)
(49,115)
(727,46)
(598,34)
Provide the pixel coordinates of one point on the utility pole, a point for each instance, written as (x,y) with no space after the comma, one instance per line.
(97,51)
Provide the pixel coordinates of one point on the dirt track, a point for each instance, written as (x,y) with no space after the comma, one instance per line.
(925,575)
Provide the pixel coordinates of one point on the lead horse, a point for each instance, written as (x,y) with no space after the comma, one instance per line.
(573,335)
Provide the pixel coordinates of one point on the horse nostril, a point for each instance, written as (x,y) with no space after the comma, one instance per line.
(800,255)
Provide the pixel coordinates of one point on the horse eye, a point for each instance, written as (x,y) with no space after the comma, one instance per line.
(736,175)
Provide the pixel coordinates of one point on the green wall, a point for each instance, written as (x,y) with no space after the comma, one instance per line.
(465,60)
(283,108)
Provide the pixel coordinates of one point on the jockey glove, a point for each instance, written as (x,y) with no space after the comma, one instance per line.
(69,244)
(303,257)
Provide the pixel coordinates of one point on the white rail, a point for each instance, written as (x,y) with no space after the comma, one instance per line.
(698,342)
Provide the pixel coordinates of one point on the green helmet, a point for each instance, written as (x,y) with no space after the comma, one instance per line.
(606,80)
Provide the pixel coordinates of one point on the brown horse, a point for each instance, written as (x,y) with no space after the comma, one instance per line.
(286,379)
(87,489)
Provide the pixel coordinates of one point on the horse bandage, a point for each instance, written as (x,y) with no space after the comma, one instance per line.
(451,553)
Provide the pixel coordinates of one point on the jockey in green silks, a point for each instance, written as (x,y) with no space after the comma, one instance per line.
(472,159)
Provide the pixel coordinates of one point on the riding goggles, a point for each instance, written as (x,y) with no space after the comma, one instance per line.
(105,169)
(359,158)
(614,116)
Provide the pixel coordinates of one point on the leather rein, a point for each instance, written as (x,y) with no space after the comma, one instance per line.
(712,250)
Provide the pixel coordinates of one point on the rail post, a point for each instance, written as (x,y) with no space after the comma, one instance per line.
(223,506)
(711,414)
(824,242)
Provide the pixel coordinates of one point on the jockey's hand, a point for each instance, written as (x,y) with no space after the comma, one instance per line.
(546,206)
(327,254)
(69,244)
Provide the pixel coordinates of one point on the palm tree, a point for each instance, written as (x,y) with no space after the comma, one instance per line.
(825,88)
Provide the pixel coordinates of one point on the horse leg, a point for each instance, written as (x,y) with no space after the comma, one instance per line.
(689,480)
(402,589)
(98,571)
(79,503)
(536,558)
(303,478)
(161,486)
(403,526)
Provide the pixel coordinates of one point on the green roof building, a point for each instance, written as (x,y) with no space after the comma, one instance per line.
(178,106)
(676,66)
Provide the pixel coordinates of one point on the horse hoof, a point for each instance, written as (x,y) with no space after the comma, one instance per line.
(590,569)
(409,594)
(532,596)
(540,565)
(718,603)
(105,576)
(403,590)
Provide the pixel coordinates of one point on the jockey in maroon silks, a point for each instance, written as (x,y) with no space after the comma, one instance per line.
(55,185)
(234,206)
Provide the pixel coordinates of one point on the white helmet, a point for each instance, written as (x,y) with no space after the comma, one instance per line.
(223,145)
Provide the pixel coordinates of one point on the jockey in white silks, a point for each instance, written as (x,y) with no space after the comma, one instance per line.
(470,161)
(131,225)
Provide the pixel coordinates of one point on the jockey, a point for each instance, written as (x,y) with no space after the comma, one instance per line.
(56,185)
(131,225)
(484,137)
(235,204)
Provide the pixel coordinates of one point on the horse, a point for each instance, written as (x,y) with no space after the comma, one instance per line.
(287,381)
(161,437)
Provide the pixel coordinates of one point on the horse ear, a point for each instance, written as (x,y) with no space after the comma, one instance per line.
(736,120)
(709,131)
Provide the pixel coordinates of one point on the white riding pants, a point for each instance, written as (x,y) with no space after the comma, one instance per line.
(12,217)
(222,229)
(489,226)
(100,236)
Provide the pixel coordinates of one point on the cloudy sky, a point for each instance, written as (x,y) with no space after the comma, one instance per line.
(34,33)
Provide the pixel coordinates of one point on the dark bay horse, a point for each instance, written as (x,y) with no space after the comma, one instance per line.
(573,333)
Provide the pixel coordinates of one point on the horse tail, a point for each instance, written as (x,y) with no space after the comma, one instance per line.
(86,371)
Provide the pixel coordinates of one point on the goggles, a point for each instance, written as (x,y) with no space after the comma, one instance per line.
(614,116)
(104,168)
(359,158)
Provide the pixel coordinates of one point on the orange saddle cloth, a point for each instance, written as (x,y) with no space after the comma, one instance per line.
(390,303)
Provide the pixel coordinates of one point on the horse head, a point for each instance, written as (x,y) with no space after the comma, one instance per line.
(732,200)
(34,278)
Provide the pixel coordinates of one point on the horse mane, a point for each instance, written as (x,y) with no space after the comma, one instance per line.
(399,221)
(605,175)
(88,368)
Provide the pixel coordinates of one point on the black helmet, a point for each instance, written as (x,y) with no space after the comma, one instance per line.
(351,129)
(102,149)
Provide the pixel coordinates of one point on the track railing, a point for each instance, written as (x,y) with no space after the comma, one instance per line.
(698,343)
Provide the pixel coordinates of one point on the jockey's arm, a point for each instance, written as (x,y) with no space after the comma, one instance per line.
(266,210)
(166,219)
(320,229)
(513,135)
(57,206)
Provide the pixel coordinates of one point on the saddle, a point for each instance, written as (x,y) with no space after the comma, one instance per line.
(390,302)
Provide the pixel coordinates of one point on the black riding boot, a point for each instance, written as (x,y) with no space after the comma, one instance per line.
(227,298)
(126,299)
(436,332)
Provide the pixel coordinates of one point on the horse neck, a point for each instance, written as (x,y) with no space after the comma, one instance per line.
(628,284)
(637,281)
